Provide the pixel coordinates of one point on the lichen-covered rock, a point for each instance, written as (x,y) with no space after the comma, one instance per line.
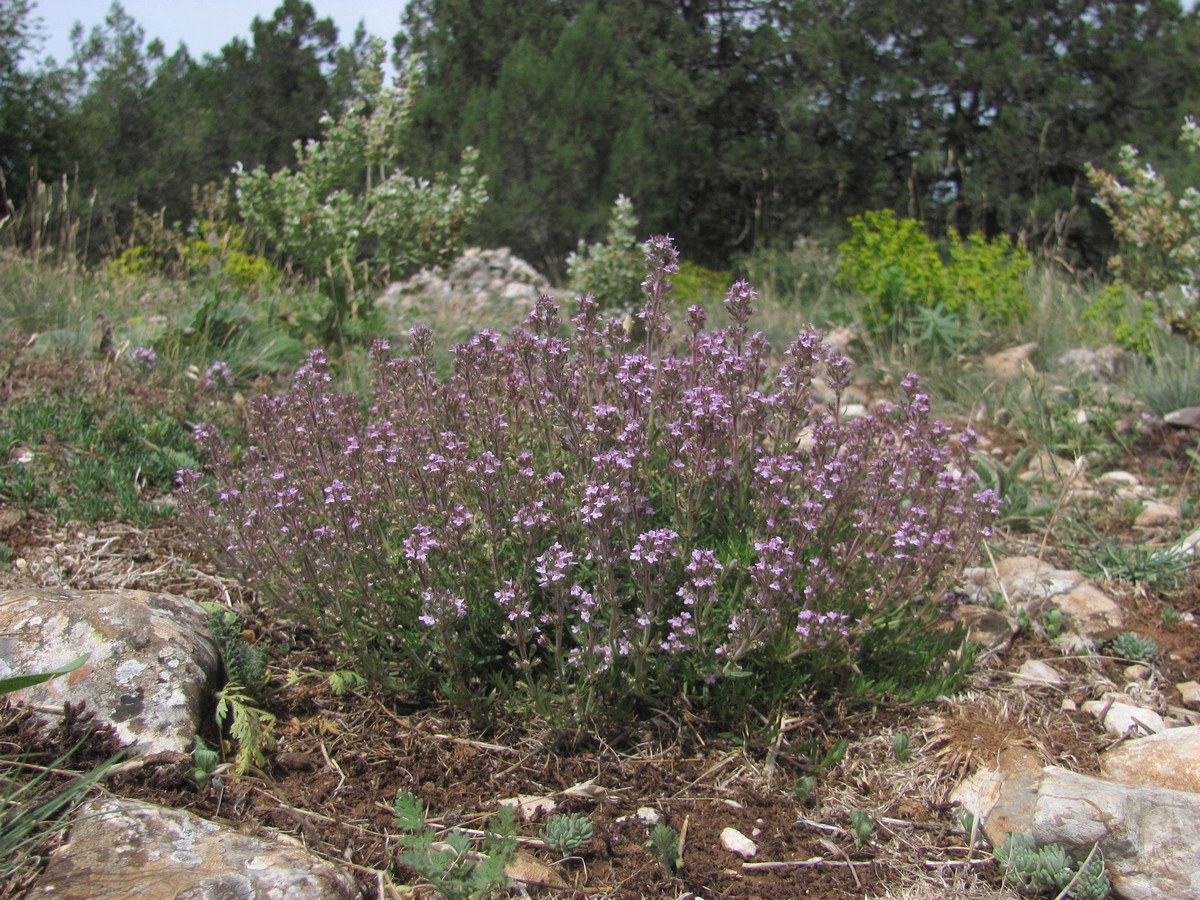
(139,851)
(152,667)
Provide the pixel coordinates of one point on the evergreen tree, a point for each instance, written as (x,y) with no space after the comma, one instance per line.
(30,102)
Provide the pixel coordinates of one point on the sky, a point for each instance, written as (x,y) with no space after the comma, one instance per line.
(205,26)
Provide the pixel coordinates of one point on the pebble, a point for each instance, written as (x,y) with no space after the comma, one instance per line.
(736,842)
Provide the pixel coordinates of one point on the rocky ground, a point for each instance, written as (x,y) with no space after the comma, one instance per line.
(339,760)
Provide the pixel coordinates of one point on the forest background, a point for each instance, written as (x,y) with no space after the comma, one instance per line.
(732,124)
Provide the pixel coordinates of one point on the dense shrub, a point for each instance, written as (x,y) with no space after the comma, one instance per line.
(347,216)
(611,272)
(898,269)
(576,523)
(1159,235)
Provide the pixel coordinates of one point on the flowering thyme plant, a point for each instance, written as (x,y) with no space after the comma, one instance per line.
(578,520)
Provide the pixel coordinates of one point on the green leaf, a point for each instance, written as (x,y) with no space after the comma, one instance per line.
(20,682)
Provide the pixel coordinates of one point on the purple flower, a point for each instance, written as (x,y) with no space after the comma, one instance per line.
(554,565)
(144,358)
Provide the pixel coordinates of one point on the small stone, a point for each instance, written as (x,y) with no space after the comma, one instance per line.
(1034,671)
(854,411)
(736,842)
(1187,546)
(1124,718)
(1190,692)
(648,815)
(1119,477)
(1138,672)
(1091,613)
(136,850)
(1155,513)
(1068,705)
(529,806)
(1008,363)
(986,626)
(1188,417)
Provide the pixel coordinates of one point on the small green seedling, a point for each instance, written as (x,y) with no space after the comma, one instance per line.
(902,746)
(1052,621)
(835,755)
(664,844)
(206,765)
(861,826)
(804,788)
(1170,616)
(446,861)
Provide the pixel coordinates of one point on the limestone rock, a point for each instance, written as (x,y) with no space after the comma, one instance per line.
(1050,469)
(1170,759)
(986,626)
(1034,671)
(736,842)
(152,666)
(1188,417)
(479,284)
(1147,834)
(139,851)
(1007,363)
(1026,578)
(1187,546)
(1120,479)
(1125,718)
(1138,672)
(1002,798)
(1190,692)
(1090,612)
(1105,364)
(1155,513)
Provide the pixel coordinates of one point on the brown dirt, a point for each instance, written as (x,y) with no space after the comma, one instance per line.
(340,760)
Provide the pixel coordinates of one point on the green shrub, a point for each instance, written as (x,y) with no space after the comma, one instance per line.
(446,860)
(346,216)
(898,268)
(987,277)
(696,284)
(611,272)
(1112,318)
(892,263)
(1159,235)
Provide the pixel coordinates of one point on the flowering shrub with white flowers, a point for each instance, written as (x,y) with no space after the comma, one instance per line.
(1159,235)
(347,216)
(576,523)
